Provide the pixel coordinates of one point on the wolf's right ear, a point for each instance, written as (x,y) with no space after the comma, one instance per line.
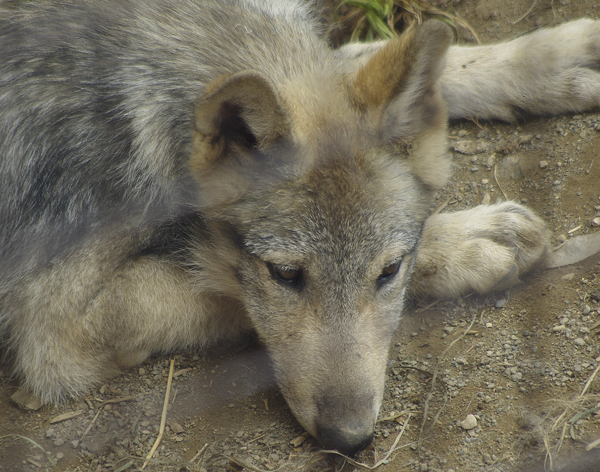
(236,114)
(400,82)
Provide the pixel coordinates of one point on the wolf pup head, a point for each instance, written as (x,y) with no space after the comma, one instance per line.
(323,182)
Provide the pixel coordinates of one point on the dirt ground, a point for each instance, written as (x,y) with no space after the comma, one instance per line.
(509,368)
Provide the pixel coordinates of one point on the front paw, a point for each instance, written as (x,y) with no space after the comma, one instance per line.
(482,249)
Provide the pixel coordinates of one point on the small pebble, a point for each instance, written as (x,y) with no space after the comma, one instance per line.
(470,422)
(579,341)
(500,303)
(543,164)
(586,310)
(516,376)
(176,427)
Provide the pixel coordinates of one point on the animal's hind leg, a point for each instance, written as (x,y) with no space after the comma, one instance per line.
(549,71)
(482,249)
(83,318)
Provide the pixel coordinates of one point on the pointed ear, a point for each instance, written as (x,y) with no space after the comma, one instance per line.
(236,114)
(402,75)
(400,81)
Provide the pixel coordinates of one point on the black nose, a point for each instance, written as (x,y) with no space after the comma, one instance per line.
(347,439)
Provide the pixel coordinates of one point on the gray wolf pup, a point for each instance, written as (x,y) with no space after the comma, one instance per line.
(176,172)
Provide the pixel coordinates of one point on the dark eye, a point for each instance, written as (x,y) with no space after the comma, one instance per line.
(388,273)
(285,274)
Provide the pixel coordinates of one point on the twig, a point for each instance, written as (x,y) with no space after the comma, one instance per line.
(394,416)
(163,418)
(590,167)
(421,310)
(476,122)
(257,438)
(66,416)
(441,207)
(498,183)
(438,413)
(592,445)
(589,381)
(87,430)
(119,399)
(200,452)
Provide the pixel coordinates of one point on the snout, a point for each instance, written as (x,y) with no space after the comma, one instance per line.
(346,422)
(348,438)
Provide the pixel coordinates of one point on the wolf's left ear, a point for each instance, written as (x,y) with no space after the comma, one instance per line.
(400,81)
(236,114)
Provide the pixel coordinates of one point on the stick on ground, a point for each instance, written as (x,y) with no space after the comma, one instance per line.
(163,419)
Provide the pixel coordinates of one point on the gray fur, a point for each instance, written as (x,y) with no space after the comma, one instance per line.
(166,164)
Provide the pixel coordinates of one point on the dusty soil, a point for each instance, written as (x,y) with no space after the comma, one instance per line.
(517,360)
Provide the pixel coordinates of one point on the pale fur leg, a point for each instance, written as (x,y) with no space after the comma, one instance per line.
(479,250)
(550,71)
(86,317)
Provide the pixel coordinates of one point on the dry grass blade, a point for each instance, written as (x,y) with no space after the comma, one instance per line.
(87,430)
(589,381)
(65,416)
(592,445)
(382,461)
(578,404)
(394,416)
(199,453)
(163,419)
(498,183)
(433,379)
(119,399)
